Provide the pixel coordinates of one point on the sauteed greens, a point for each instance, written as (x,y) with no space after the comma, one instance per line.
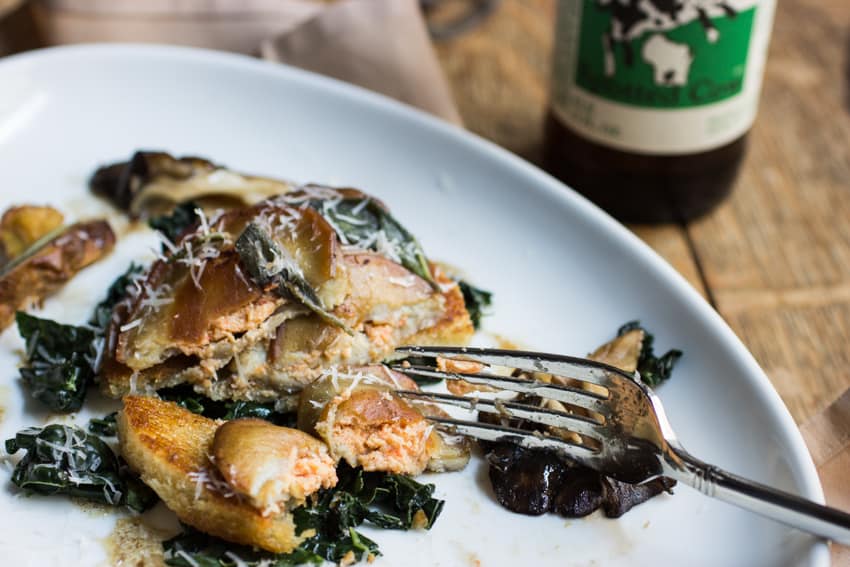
(653,369)
(62,360)
(62,459)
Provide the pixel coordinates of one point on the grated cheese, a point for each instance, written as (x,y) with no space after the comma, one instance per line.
(237,561)
(131,325)
(406,281)
(361,205)
(202,219)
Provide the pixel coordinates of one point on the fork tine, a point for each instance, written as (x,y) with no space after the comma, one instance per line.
(567,394)
(528,439)
(559,365)
(575,423)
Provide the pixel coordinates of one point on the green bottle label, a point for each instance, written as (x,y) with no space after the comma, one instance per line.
(630,73)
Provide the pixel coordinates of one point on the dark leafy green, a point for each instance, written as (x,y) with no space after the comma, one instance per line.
(653,369)
(358,221)
(116,293)
(267,262)
(62,360)
(61,459)
(207,551)
(186,397)
(477,301)
(59,362)
(381,499)
(104,426)
(174,225)
(386,500)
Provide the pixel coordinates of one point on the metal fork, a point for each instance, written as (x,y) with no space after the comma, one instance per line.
(618,428)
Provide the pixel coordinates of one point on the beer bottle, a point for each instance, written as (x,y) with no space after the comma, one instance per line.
(652,100)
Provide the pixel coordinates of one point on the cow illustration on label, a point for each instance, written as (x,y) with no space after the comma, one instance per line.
(663,53)
(631,19)
(670,61)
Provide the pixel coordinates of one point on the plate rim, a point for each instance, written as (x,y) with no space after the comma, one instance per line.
(807,479)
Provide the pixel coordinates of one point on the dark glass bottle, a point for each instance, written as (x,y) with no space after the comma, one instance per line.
(652,101)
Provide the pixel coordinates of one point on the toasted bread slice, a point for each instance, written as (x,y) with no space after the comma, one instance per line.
(170,447)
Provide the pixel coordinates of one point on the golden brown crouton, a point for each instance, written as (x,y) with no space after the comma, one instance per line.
(276,468)
(169,447)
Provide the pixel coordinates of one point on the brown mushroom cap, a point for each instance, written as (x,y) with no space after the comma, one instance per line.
(275,467)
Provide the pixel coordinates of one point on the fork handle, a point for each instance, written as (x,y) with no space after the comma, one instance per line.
(797,512)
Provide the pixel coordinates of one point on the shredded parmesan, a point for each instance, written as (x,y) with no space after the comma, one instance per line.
(202,219)
(359,206)
(131,325)
(170,246)
(407,281)
(237,561)
(206,479)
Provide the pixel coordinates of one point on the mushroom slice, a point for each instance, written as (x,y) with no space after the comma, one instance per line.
(276,468)
(622,352)
(446,452)
(153,183)
(49,263)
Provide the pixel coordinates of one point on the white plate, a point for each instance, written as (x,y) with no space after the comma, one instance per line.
(564,275)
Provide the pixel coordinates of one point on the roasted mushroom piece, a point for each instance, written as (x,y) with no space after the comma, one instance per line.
(40,255)
(152,183)
(535,482)
(275,467)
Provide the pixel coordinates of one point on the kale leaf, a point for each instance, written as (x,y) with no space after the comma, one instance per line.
(387,500)
(116,293)
(477,301)
(62,360)
(174,225)
(382,499)
(104,426)
(61,459)
(59,362)
(653,369)
(192,548)
(186,397)
(366,223)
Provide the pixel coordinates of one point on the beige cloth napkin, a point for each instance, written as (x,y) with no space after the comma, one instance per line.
(382,45)
(399,63)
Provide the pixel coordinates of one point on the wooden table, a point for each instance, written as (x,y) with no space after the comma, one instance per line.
(774,259)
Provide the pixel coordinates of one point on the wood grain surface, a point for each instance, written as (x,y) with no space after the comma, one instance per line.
(775,258)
